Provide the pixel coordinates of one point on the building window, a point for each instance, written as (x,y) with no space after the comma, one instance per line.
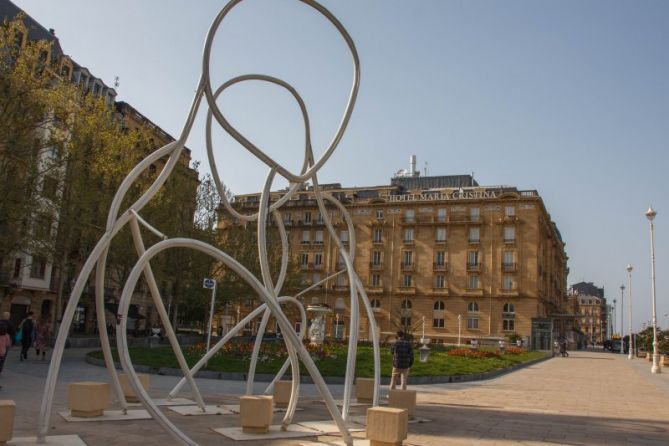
(298,326)
(509,211)
(318,238)
(508,260)
(474,214)
(376,280)
(508,324)
(407,280)
(42,226)
(440,281)
(474,234)
(375,303)
(406,304)
(407,258)
(509,309)
(509,234)
(319,219)
(17,267)
(473,307)
(49,187)
(376,258)
(440,235)
(343,236)
(377,235)
(307,218)
(286,219)
(508,283)
(341,280)
(316,278)
(441,215)
(409,216)
(472,323)
(379,214)
(438,314)
(440,258)
(473,259)
(408,235)
(306,237)
(318,259)
(38,268)
(304,259)
(473,282)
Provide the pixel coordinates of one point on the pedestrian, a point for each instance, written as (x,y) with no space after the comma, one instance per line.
(502,346)
(402,352)
(5,344)
(26,332)
(519,343)
(563,348)
(9,326)
(41,338)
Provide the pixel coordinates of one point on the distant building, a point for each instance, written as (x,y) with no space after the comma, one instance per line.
(487,261)
(592,311)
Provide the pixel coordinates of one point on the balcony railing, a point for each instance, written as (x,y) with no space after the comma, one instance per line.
(409,241)
(376,266)
(408,220)
(408,266)
(474,241)
(439,266)
(473,266)
(510,240)
(509,267)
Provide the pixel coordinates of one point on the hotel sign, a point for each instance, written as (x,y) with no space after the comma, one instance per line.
(457,195)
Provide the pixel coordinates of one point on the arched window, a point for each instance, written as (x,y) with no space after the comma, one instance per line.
(439,305)
(509,308)
(406,304)
(473,307)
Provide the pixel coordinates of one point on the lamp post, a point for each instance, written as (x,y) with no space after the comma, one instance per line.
(632,341)
(622,319)
(650,214)
(459,325)
(613,325)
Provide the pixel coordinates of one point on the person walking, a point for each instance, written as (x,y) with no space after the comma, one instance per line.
(41,338)
(6,322)
(5,344)
(402,352)
(26,328)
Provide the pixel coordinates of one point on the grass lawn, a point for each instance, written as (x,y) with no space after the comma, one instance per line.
(236,359)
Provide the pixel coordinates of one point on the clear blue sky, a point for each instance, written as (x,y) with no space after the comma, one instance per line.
(570,98)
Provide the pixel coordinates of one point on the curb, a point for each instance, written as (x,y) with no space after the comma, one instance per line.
(263,377)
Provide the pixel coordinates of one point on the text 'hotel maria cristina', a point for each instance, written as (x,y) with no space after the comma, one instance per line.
(485,261)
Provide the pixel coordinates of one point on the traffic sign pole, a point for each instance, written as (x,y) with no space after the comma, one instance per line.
(210,283)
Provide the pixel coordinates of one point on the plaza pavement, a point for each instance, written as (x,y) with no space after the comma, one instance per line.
(589,398)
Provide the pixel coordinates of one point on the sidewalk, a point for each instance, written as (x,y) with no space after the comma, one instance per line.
(589,398)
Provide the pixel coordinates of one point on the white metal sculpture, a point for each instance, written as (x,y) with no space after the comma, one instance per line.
(266,287)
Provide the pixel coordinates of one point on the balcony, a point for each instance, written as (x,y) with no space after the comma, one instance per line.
(408,266)
(509,267)
(318,242)
(439,266)
(441,219)
(474,266)
(407,290)
(441,291)
(408,220)
(474,291)
(371,289)
(440,241)
(306,266)
(376,266)
(513,291)
(377,241)
(305,242)
(474,241)
(510,241)
(409,241)
(340,287)
(317,266)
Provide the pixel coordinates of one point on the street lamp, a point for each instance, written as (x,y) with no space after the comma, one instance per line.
(632,341)
(613,325)
(622,319)
(650,214)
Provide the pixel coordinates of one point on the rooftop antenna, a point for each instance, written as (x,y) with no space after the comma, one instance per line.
(425,169)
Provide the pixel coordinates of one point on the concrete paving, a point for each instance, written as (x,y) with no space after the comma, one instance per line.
(589,398)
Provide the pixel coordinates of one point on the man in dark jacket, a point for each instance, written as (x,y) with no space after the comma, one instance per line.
(27,328)
(402,352)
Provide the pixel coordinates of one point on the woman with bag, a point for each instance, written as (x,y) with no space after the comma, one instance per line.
(25,335)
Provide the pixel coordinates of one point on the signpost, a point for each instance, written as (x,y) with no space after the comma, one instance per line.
(210,284)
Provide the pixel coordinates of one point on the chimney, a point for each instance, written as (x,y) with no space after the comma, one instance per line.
(52,31)
(412,166)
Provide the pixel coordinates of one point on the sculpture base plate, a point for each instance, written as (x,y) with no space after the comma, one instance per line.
(362,419)
(55,440)
(275,433)
(335,441)
(330,427)
(234,408)
(166,402)
(196,411)
(109,415)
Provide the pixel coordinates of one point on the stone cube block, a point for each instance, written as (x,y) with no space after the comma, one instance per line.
(7,413)
(387,426)
(664,361)
(282,393)
(256,413)
(88,399)
(403,399)
(128,391)
(649,356)
(364,390)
